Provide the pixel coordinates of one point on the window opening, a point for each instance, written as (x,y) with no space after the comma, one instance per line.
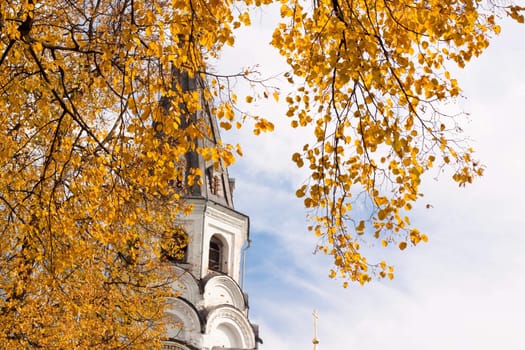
(215,254)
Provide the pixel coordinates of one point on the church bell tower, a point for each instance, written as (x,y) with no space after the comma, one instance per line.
(211,311)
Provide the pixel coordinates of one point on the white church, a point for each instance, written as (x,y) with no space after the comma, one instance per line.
(211,311)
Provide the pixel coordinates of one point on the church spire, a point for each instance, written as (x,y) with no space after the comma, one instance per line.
(215,184)
(211,310)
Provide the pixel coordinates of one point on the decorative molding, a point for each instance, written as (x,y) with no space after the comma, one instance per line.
(217,210)
(189,331)
(224,215)
(227,315)
(186,284)
(224,289)
(170,345)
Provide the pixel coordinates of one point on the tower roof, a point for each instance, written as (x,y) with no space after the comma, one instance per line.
(215,184)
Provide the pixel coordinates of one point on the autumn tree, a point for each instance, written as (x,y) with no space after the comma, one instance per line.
(373,79)
(97,117)
(98,113)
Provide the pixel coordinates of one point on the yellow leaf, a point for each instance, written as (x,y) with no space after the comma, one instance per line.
(301,192)
(361,227)
(225,125)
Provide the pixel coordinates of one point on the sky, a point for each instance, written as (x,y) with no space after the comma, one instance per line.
(464,289)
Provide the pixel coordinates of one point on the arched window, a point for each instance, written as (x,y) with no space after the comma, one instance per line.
(217,257)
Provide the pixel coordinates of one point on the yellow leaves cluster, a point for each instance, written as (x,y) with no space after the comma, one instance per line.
(96,132)
(75,241)
(375,76)
(173,243)
(516,13)
(262,125)
(100,105)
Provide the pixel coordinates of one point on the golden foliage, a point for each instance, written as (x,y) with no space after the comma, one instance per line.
(173,244)
(95,130)
(374,76)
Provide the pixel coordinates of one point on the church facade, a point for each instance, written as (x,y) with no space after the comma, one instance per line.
(211,310)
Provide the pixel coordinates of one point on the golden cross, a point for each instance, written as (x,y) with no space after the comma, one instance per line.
(315,341)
